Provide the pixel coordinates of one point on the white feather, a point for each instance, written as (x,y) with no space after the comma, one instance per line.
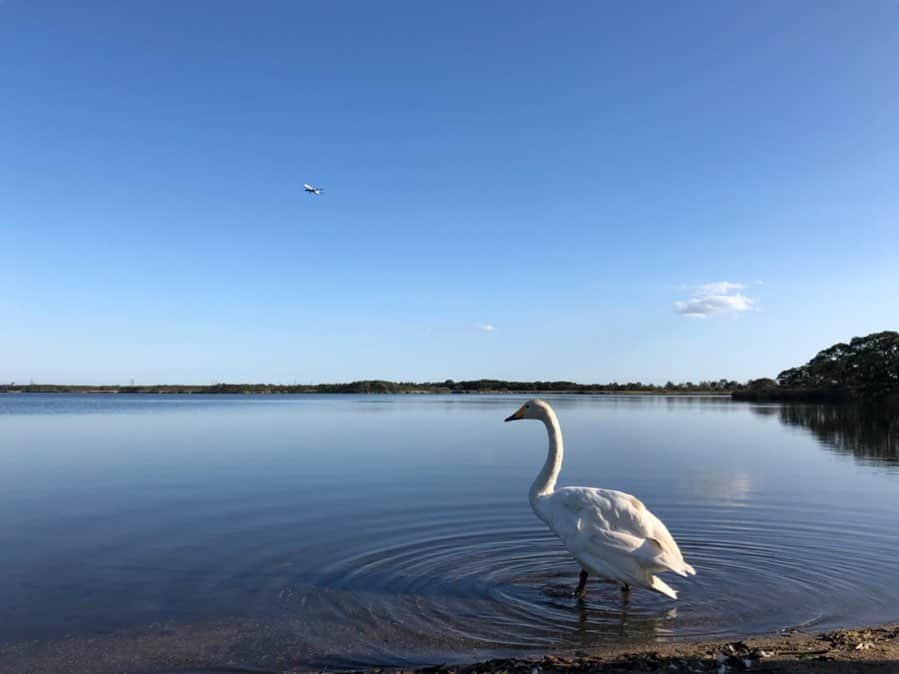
(610,533)
(613,535)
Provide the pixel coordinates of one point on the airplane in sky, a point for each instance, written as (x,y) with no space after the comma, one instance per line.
(312,190)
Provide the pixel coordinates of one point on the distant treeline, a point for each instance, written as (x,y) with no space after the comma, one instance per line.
(382,386)
(866,368)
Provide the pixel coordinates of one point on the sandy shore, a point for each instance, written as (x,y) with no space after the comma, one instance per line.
(873,649)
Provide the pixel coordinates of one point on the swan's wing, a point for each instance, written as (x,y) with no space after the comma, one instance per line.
(613,526)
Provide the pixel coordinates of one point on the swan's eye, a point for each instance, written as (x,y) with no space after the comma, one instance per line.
(527,407)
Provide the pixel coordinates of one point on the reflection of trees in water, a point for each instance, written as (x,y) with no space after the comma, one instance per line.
(866,430)
(767,410)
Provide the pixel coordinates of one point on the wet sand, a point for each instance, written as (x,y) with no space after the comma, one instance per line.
(224,649)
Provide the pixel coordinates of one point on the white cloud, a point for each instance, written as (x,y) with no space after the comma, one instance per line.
(719,288)
(487,327)
(710,299)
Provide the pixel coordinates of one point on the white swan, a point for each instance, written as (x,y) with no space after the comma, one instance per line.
(611,534)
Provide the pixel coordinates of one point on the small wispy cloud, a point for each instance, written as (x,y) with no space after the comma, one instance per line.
(486,327)
(718,288)
(711,299)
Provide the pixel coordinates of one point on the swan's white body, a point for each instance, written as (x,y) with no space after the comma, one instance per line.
(610,533)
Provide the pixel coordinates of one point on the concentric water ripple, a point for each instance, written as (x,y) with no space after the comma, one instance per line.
(505,585)
(420,546)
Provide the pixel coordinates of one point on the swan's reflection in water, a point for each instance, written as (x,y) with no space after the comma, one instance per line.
(622,623)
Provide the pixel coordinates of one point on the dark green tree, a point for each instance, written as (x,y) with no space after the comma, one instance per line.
(865,367)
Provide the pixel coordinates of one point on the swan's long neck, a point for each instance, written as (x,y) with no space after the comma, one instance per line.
(546,480)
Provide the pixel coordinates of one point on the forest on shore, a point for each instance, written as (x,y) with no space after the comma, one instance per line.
(865,368)
(722,386)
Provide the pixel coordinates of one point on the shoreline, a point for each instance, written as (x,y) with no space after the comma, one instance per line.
(843,651)
(275,392)
(750,397)
(383,386)
(172,649)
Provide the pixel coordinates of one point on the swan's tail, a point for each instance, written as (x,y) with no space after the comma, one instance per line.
(662,587)
(684,569)
(673,561)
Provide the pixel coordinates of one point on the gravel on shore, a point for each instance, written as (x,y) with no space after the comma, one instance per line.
(192,650)
(846,651)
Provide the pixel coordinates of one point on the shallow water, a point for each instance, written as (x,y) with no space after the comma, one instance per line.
(353,530)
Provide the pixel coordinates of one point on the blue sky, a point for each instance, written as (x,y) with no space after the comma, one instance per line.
(591,191)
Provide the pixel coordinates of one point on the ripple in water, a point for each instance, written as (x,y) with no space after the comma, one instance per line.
(507,589)
(271,523)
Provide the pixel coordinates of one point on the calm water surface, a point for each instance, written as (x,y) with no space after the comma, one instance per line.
(338,531)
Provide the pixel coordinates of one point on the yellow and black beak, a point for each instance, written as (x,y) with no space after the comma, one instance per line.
(518,415)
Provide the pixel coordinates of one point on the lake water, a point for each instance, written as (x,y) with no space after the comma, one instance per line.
(341,531)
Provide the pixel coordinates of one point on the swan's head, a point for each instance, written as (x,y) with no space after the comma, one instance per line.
(532,409)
